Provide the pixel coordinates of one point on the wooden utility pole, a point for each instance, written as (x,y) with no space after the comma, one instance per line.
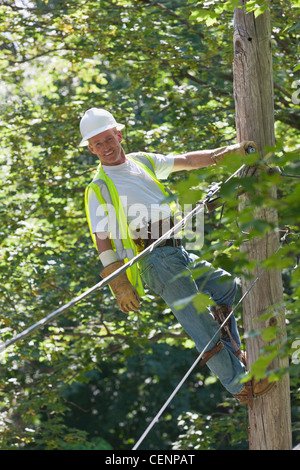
(270,416)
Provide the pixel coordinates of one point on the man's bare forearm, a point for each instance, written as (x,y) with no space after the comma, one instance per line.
(205,158)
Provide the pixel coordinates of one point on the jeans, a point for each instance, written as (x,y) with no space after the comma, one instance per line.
(166,271)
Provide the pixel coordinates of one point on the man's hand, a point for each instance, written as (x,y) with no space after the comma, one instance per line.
(126,295)
(240,148)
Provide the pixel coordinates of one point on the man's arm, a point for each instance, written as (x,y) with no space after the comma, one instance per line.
(126,295)
(193,160)
(103,242)
(104,247)
(204,158)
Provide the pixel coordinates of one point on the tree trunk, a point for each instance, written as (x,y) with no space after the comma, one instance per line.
(270,416)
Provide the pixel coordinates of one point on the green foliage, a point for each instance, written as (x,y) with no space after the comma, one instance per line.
(164,68)
(219,431)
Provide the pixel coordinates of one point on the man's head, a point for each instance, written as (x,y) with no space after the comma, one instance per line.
(107,146)
(101,132)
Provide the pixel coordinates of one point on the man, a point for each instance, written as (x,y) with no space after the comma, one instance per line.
(126,213)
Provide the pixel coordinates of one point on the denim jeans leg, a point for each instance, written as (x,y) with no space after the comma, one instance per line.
(166,271)
(221,287)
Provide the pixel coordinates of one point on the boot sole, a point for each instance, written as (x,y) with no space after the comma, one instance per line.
(266,390)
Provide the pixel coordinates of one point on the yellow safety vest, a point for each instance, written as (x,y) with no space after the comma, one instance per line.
(107,195)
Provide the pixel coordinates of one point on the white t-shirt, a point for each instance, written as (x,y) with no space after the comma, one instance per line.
(140,196)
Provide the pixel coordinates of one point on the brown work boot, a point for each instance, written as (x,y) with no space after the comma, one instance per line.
(254,388)
(245,397)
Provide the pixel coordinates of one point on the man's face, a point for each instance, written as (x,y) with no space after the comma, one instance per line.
(107,147)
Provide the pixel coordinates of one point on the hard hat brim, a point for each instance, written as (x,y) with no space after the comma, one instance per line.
(84,141)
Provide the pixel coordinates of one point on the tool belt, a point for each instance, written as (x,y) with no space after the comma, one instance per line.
(153,231)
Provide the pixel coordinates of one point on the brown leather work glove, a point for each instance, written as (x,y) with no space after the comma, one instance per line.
(126,295)
(240,148)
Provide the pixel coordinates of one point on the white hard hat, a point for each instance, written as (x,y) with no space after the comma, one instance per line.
(94,121)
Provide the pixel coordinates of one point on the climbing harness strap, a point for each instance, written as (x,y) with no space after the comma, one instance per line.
(220,313)
(152,231)
(209,354)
